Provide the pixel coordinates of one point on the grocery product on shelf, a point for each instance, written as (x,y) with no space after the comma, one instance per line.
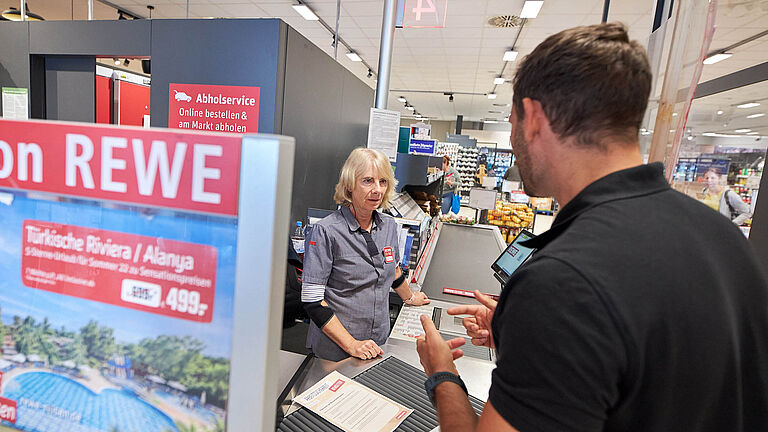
(448,149)
(463,220)
(466,165)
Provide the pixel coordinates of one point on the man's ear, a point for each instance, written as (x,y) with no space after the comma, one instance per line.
(535,120)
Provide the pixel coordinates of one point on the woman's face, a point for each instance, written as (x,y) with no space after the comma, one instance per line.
(712,179)
(369,190)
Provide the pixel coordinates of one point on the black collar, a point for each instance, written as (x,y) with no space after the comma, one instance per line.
(354,225)
(629,183)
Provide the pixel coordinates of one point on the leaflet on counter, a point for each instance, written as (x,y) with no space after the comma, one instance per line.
(351,406)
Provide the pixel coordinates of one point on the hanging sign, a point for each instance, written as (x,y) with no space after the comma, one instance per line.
(422,146)
(213,108)
(423,13)
(195,172)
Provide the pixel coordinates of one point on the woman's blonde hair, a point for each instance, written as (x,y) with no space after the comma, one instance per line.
(354,168)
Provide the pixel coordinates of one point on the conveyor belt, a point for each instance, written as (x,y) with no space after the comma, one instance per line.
(394,379)
(462,259)
(470,350)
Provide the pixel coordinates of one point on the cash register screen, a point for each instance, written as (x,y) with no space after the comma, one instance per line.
(512,257)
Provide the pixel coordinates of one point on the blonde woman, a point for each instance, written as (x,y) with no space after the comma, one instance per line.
(350,262)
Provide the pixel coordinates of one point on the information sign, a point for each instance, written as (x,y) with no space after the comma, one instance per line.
(213,108)
(384,131)
(15,103)
(422,146)
(424,13)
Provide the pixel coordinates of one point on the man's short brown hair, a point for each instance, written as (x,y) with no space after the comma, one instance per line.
(592,82)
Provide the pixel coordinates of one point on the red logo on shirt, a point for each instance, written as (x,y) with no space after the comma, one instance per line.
(388,256)
(311,243)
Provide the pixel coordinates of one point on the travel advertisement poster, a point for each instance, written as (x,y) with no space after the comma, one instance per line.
(115,315)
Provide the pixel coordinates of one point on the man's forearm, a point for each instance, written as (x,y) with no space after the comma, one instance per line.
(453,409)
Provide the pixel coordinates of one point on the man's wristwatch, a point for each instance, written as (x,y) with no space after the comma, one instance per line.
(438,377)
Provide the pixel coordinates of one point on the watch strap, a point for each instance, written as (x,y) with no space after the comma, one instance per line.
(439,377)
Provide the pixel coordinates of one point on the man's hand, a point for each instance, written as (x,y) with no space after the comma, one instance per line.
(479,324)
(436,354)
(365,350)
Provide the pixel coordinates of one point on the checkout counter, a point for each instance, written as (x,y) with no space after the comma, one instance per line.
(456,257)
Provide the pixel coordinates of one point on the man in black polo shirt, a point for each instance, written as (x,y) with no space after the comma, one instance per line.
(642,310)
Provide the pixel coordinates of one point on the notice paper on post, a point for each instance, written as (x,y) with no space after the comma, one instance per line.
(352,406)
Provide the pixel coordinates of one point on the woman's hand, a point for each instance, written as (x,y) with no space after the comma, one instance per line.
(419,299)
(365,350)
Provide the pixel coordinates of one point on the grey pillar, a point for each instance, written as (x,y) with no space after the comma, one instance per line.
(385,53)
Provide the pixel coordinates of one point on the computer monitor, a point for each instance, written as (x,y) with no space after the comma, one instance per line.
(513,257)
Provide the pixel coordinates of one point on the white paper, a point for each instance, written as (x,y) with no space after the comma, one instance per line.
(351,406)
(482,199)
(15,103)
(408,323)
(384,131)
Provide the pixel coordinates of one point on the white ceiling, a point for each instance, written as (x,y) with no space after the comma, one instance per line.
(466,55)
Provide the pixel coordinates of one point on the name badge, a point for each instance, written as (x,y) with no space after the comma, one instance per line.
(388,256)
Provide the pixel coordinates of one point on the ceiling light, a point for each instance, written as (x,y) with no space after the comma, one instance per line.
(305,12)
(499,80)
(742,130)
(370,74)
(410,108)
(752,133)
(720,112)
(354,57)
(674,114)
(716,58)
(506,119)
(510,55)
(645,133)
(491,95)
(117,62)
(531,9)
(748,105)
(401,99)
(490,121)
(690,137)
(756,115)
(450,98)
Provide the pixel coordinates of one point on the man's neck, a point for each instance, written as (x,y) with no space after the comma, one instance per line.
(578,169)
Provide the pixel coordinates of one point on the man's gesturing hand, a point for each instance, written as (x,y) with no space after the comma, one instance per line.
(436,354)
(479,324)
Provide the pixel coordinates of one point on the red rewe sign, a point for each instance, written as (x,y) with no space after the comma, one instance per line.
(7,410)
(150,274)
(186,171)
(213,108)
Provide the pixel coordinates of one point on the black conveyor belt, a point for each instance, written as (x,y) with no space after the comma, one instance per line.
(394,379)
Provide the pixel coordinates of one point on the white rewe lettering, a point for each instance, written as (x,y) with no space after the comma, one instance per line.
(7,166)
(25,151)
(75,162)
(109,163)
(146,169)
(200,173)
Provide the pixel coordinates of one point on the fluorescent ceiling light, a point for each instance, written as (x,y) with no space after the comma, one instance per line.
(354,57)
(756,115)
(490,121)
(753,133)
(491,95)
(748,105)
(720,112)
(305,12)
(716,58)
(674,114)
(401,99)
(410,108)
(713,134)
(510,55)
(499,80)
(742,130)
(531,9)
